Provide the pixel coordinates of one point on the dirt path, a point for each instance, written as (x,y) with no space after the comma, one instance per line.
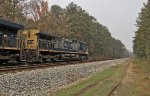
(134,83)
(126,80)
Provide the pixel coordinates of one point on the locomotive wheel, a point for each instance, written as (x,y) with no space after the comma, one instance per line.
(83,58)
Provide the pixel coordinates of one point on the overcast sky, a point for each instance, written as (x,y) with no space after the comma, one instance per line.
(118,15)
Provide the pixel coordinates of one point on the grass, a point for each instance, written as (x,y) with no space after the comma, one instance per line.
(143,64)
(138,83)
(142,69)
(100,83)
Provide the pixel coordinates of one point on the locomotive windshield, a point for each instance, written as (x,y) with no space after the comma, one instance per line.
(8,33)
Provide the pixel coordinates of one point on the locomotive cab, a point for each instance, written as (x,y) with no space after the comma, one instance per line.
(39,45)
(8,40)
(8,34)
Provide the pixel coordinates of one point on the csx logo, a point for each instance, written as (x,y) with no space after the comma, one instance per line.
(30,42)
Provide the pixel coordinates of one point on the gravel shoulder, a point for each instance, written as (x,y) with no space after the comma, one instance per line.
(42,82)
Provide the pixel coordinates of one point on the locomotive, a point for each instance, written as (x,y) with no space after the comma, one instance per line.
(33,45)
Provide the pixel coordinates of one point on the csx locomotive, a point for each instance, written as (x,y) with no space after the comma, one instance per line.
(32,45)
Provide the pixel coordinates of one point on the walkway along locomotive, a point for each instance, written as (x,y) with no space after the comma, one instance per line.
(33,45)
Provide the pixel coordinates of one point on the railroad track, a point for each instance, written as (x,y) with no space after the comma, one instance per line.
(23,67)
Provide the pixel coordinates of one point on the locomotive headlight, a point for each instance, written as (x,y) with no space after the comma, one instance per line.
(5,35)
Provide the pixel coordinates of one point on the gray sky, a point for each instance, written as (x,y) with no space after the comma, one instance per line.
(118,15)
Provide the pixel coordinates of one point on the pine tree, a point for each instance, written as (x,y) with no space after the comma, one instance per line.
(142,39)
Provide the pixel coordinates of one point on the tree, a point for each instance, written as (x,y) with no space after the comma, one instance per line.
(142,38)
(12,10)
(83,26)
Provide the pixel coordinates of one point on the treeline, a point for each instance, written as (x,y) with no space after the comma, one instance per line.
(142,38)
(70,22)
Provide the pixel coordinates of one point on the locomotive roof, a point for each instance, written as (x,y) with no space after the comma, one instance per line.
(46,34)
(10,24)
